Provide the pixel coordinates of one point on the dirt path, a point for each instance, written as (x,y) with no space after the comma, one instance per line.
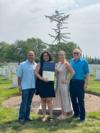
(92,102)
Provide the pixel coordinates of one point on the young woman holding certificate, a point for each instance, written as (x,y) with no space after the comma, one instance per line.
(63,78)
(45,84)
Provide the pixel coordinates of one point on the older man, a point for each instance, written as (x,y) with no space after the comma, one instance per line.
(26,83)
(79,83)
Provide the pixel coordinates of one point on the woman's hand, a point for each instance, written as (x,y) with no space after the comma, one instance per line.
(64,81)
(45,79)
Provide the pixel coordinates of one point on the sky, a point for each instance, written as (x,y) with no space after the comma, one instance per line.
(22,19)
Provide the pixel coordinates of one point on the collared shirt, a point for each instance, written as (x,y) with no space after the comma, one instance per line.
(80,67)
(26,71)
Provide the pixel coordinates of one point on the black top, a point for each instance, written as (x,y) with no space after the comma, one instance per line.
(44,89)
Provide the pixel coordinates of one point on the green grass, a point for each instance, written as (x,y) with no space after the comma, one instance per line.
(5,89)
(94,85)
(92,125)
(9,124)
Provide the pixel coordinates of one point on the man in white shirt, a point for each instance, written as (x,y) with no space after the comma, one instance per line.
(26,83)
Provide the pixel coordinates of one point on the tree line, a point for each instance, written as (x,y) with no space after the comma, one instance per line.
(17,52)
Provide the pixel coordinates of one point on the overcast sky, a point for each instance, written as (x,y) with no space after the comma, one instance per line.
(22,19)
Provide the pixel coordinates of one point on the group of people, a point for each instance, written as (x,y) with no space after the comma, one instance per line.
(71,81)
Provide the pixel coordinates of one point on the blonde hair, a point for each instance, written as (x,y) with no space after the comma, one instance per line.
(62,52)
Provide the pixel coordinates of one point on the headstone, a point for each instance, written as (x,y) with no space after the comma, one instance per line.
(1,71)
(97,74)
(9,74)
(57,104)
(13,67)
(14,80)
(91,68)
(4,73)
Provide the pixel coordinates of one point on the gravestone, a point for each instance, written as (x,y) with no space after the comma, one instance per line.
(4,73)
(8,73)
(1,71)
(97,74)
(91,68)
(14,81)
(57,105)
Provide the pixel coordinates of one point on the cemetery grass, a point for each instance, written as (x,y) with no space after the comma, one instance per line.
(9,123)
(94,86)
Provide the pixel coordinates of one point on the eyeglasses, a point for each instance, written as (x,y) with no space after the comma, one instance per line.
(76,53)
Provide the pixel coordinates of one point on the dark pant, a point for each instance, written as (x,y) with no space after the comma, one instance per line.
(25,106)
(77,98)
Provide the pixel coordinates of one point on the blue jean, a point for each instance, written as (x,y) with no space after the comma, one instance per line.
(25,107)
(77,98)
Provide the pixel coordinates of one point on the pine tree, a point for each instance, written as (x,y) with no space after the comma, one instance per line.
(60,20)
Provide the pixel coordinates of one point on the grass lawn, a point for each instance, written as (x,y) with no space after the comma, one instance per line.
(9,124)
(94,85)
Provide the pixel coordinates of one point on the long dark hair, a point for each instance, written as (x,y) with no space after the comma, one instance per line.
(42,60)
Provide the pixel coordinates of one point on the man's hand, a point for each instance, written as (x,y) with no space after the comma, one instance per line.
(19,85)
(86,81)
(20,89)
(85,86)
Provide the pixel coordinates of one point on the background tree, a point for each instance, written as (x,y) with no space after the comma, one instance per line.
(60,20)
(67,47)
(17,51)
(11,52)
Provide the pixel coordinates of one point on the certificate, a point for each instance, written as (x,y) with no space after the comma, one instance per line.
(50,75)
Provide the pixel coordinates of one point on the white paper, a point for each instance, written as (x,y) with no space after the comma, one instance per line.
(49,75)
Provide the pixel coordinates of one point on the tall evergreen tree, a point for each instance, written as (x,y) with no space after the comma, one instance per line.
(60,19)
